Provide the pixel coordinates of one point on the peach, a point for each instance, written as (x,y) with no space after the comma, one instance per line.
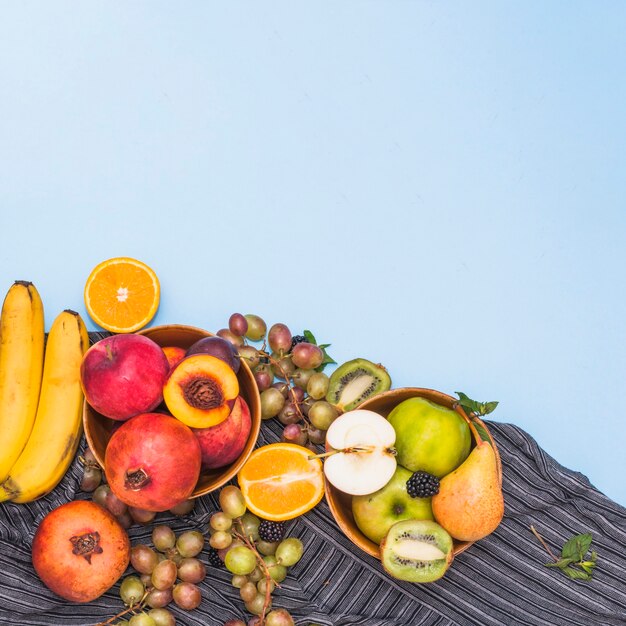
(80,550)
(174,355)
(123,375)
(201,391)
(152,462)
(222,444)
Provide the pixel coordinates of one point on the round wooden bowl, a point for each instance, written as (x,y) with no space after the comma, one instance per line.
(98,429)
(341,503)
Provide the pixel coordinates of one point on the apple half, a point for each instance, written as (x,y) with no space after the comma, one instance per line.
(362,458)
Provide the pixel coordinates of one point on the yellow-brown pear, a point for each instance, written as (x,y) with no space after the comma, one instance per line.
(470,504)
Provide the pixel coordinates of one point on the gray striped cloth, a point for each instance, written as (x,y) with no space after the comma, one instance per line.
(500,580)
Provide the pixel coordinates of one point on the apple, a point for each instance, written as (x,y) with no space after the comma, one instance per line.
(377,512)
(222,444)
(123,376)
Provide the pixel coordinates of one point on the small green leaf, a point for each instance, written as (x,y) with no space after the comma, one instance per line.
(587,566)
(471,406)
(561,563)
(577,547)
(483,433)
(328,360)
(576,574)
(490,407)
(308,335)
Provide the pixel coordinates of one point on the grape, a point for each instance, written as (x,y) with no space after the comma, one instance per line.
(238,324)
(141,516)
(92,477)
(317,387)
(307,356)
(240,560)
(277,570)
(114,505)
(146,579)
(184,507)
(256,327)
(131,590)
(297,394)
(187,596)
(124,520)
(292,433)
(227,334)
(220,521)
(256,575)
(266,548)
(306,405)
(279,338)
(272,401)
(190,543)
(322,414)
(251,526)
(164,574)
(283,367)
(235,544)
(262,585)
(316,435)
(248,592)
(250,355)
(158,598)
(234,622)
(282,387)
(220,539)
(163,538)
(256,605)
(90,458)
(191,571)
(301,377)
(122,623)
(143,558)
(263,380)
(141,619)
(162,617)
(238,581)
(254,621)
(289,551)
(100,495)
(289,414)
(279,617)
(232,501)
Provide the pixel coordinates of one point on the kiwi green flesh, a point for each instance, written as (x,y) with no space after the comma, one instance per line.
(416,551)
(355,381)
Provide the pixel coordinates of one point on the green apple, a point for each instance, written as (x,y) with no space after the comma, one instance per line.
(377,512)
(430,437)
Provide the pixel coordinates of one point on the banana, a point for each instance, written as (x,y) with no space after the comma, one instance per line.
(58,425)
(21,363)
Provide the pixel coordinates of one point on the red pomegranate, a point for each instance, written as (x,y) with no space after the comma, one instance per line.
(80,551)
(152,462)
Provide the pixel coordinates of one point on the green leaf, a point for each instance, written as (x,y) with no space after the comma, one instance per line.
(577,547)
(467,403)
(576,574)
(308,335)
(588,566)
(483,433)
(561,563)
(328,360)
(490,407)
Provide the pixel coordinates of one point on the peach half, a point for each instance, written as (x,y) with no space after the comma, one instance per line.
(201,391)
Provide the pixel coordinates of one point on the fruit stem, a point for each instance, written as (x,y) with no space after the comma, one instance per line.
(346,450)
(132,608)
(543,543)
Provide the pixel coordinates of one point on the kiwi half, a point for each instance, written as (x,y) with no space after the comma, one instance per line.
(355,381)
(419,551)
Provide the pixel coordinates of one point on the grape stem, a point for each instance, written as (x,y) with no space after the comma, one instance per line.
(131,609)
(268,577)
(89,464)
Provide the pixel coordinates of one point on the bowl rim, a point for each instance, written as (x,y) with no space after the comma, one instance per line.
(254,404)
(333,495)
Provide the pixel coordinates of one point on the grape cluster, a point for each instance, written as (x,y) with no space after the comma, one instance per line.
(289,377)
(168,572)
(258,566)
(127,516)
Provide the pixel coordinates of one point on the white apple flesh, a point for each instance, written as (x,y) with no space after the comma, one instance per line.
(365,460)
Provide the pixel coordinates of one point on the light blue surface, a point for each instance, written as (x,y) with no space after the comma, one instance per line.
(438,186)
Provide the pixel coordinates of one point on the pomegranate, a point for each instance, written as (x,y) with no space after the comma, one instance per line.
(79,551)
(152,462)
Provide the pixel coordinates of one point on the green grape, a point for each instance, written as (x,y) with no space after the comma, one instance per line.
(232,502)
(256,575)
(164,574)
(220,521)
(322,414)
(272,401)
(262,585)
(143,559)
(284,366)
(190,543)
(220,539)
(187,596)
(256,605)
(317,387)
(163,538)
(277,570)
(158,598)
(248,592)
(279,617)
(238,581)
(228,335)
(184,507)
(141,619)
(250,355)
(240,560)
(289,551)
(256,327)
(251,526)
(266,547)
(131,590)
(122,623)
(162,617)
(191,571)
(301,377)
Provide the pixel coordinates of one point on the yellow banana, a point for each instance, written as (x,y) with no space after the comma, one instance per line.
(21,362)
(58,425)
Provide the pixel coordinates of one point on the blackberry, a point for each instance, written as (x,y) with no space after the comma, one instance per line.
(271,531)
(422,485)
(214,558)
(296,339)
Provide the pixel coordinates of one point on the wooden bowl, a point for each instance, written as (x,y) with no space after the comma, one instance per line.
(341,503)
(98,429)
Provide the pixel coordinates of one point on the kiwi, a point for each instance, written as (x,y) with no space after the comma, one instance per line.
(355,381)
(419,551)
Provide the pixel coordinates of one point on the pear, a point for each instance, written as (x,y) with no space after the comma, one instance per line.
(470,504)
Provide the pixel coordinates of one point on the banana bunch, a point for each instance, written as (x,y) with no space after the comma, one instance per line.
(40,413)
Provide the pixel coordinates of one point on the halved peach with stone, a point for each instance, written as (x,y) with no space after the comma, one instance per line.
(201,391)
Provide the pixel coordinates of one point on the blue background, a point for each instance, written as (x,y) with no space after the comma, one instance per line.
(438,186)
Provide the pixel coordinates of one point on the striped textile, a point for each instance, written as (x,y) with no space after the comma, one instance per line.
(500,580)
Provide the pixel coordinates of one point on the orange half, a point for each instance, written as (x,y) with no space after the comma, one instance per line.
(280,482)
(122,294)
